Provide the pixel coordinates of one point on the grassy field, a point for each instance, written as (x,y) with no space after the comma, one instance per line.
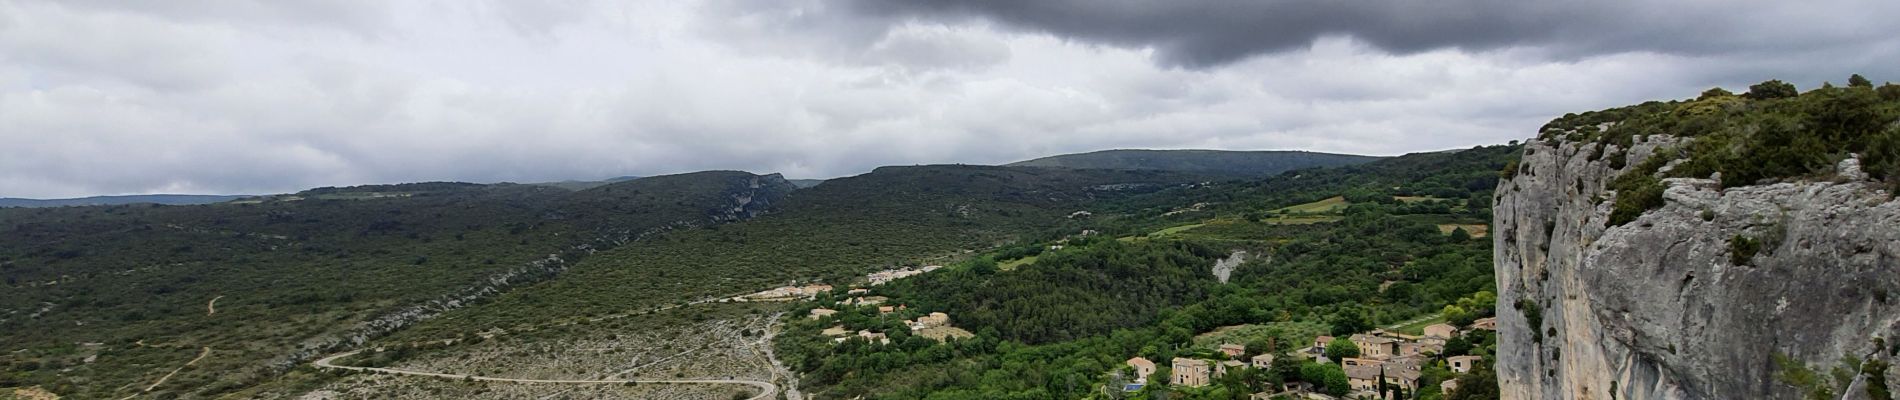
(1175,230)
(1298,220)
(1330,204)
(1417,326)
(1012,264)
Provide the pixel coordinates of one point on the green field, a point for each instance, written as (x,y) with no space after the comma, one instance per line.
(1417,326)
(1012,264)
(1328,205)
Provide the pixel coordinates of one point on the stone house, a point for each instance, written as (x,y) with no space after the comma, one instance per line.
(1263,361)
(817,313)
(1372,346)
(1233,350)
(1442,331)
(1143,368)
(1462,364)
(1190,372)
(1489,324)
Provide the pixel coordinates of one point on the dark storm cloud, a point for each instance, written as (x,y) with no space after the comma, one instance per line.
(1202,33)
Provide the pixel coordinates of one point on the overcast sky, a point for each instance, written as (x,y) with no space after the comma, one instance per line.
(266,96)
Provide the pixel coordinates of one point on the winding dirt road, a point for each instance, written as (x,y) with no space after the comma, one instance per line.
(766,389)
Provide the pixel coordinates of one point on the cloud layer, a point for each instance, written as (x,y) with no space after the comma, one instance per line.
(101,97)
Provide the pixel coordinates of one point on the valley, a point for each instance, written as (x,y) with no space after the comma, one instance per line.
(1441,275)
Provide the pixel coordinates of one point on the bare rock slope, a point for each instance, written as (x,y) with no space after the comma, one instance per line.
(1664,308)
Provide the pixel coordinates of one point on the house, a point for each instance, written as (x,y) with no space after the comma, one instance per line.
(1233,350)
(1319,344)
(1448,386)
(890,309)
(858,291)
(1373,346)
(1488,323)
(1360,362)
(1143,368)
(1410,348)
(1190,372)
(1229,365)
(1366,378)
(817,313)
(877,337)
(1263,361)
(934,320)
(1441,331)
(1462,364)
(1361,377)
(866,300)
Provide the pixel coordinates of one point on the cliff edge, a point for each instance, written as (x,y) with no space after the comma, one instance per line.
(1775,289)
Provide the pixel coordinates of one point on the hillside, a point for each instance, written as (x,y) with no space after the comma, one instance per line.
(102,301)
(1726,247)
(1057,317)
(166,199)
(1216,163)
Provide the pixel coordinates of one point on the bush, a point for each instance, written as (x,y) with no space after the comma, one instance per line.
(1632,200)
(1772,89)
(1741,249)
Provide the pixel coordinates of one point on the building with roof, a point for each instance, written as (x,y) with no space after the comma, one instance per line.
(1441,331)
(1190,372)
(1142,367)
(1374,346)
(1488,323)
(1233,350)
(817,313)
(1462,364)
(1263,361)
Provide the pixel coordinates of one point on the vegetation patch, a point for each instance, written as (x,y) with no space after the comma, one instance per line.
(1770,133)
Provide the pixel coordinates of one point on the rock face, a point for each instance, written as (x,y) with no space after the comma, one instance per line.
(1662,308)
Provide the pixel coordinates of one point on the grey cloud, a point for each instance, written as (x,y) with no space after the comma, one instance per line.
(1203,33)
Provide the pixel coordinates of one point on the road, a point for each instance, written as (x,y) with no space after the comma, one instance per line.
(211,307)
(766,389)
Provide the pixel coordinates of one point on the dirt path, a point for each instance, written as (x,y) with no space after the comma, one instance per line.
(211,307)
(766,389)
(161,380)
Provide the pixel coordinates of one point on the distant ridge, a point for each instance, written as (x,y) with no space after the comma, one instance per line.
(1206,162)
(167,199)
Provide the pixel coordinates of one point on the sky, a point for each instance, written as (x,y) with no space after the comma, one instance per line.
(101,97)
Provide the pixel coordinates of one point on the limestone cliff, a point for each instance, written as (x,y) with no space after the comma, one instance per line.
(1662,307)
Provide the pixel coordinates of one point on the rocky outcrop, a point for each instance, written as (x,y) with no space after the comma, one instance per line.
(1671,305)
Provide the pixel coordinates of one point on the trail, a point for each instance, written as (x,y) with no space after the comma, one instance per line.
(211,308)
(162,379)
(766,389)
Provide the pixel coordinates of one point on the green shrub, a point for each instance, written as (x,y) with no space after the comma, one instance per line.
(1741,249)
(1632,200)
(1773,89)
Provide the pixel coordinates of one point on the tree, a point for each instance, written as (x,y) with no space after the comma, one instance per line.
(983,266)
(1715,92)
(1458,235)
(1772,89)
(1479,384)
(1336,382)
(1859,81)
(1341,348)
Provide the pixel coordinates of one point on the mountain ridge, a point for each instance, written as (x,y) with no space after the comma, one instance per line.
(1221,163)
